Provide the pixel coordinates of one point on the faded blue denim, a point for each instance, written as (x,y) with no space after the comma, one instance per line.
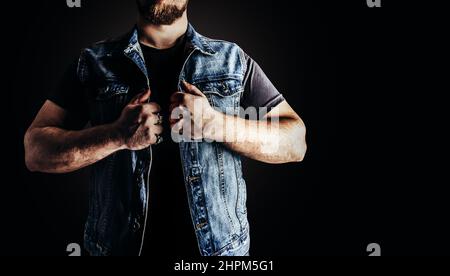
(119,188)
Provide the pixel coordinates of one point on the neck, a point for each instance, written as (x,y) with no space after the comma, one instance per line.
(162,36)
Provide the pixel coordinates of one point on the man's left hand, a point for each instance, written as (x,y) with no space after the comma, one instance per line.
(191,114)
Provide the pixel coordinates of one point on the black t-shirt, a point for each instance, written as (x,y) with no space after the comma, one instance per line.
(169,227)
(170,231)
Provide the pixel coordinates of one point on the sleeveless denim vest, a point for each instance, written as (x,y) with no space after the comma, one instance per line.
(111,73)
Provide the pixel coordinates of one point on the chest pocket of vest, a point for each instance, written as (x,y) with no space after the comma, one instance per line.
(109,102)
(224,95)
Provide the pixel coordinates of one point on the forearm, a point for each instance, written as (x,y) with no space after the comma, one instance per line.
(275,142)
(54,150)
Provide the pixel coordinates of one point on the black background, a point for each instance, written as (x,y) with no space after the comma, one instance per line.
(344,67)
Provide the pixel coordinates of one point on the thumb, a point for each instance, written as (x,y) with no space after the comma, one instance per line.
(142,97)
(191,89)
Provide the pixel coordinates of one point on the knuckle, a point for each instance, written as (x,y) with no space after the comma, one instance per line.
(152,139)
(155,106)
(158,129)
(147,109)
(148,136)
(146,122)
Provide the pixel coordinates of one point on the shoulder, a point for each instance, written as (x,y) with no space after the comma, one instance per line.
(97,52)
(219,45)
(107,46)
(228,50)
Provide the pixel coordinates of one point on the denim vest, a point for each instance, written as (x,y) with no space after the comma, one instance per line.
(111,73)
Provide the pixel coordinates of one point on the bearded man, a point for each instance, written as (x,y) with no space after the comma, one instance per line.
(164,106)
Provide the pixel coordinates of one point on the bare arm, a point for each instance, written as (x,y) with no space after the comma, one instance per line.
(271,141)
(50,148)
(275,142)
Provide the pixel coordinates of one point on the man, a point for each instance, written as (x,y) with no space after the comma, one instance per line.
(150,146)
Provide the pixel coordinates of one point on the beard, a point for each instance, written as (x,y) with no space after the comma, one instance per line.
(162,12)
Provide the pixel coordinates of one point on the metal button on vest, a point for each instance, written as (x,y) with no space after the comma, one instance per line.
(224,87)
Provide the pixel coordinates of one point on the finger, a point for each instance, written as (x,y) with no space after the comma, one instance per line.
(191,89)
(178,113)
(145,96)
(157,130)
(151,108)
(174,121)
(151,131)
(177,127)
(177,98)
(154,134)
(172,108)
(154,120)
(142,97)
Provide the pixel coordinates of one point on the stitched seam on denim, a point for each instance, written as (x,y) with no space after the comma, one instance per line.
(234,244)
(219,154)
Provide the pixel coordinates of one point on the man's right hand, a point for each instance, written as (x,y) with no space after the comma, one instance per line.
(139,125)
